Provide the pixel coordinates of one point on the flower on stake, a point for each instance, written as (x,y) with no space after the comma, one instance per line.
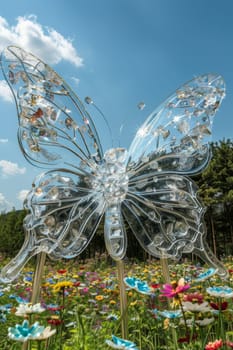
(220,292)
(138,285)
(121,344)
(25,332)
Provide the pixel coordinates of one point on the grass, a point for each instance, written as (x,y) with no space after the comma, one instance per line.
(81,302)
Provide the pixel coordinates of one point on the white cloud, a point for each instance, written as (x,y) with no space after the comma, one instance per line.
(3,140)
(5,91)
(44,42)
(4,204)
(9,168)
(75,80)
(22,195)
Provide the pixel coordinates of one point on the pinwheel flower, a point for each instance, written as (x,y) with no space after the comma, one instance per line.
(220,292)
(25,332)
(205,275)
(146,186)
(118,343)
(171,314)
(137,284)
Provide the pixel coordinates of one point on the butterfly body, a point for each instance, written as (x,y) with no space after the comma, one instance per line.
(146,186)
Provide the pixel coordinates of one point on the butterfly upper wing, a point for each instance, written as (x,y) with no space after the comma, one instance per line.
(174,138)
(54,127)
(161,205)
(54,131)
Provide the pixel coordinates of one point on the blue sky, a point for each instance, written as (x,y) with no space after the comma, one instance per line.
(119,52)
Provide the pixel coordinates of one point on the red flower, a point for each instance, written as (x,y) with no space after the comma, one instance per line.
(230,344)
(62,271)
(54,322)
(217,344)
(219,306)
(155,285)
(194,297)
(172,290)
(187,339)
(55,308)
(76,284)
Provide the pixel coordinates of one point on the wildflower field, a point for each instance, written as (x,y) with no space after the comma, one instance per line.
(79,308)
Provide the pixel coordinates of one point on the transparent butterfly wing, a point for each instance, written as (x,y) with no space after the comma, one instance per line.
(64,215)
(55,131)
(54,127)
(161,206)
(174,138)
(163,213)
(166,217)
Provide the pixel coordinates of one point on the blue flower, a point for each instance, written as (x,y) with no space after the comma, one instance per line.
(155,313)
(27,279)
(130,281)
(2,317)
(118,343)
(24,332)
(221,291)
(6,308)
(137,284)
(171,314)
(50,280)
(112,317)
(21,300)
(12,296)
(203,276)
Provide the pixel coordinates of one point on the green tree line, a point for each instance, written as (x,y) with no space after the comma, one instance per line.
(215,191)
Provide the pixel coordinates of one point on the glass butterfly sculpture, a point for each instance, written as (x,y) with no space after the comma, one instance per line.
(146,186)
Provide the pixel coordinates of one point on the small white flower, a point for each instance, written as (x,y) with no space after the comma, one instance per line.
(205,321)
(47,332)
(195,307)
(24,309)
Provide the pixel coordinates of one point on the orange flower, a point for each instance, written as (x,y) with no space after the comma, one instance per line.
(99,297)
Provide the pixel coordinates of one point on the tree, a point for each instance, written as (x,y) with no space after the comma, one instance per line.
(216,192)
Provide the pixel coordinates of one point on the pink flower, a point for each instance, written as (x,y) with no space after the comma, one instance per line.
(172,290)
(85,290)
(214,345)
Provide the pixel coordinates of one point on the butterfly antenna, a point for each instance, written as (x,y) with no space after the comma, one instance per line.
(89,101)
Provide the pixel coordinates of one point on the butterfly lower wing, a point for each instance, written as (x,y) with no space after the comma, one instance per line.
(166,216)
(54,127)
(64,215)
(174,138)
